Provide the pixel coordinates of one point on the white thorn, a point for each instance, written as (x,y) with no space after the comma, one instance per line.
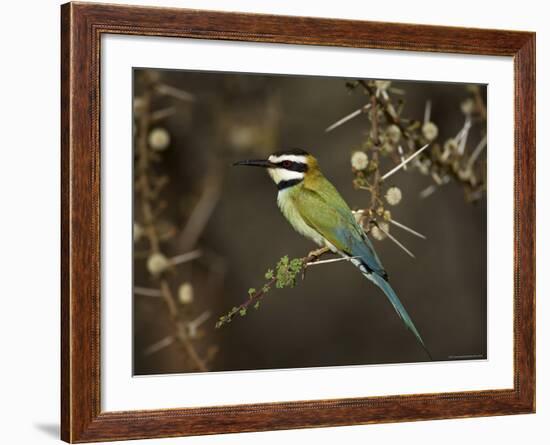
(194,325)
(401,152)
(147,292)
(331,261)
(200,319)
(390,236)
(408,229)
(159,345)
(427,111)
(397,91)
(428,191)
(185,257)
(163,113)
(347,118)
(405,162)
(175,92)
(477,151)
(462,135)
(462,145)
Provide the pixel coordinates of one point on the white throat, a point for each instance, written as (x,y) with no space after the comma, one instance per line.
(280,174)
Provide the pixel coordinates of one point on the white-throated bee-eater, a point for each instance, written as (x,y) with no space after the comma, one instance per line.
(315,209)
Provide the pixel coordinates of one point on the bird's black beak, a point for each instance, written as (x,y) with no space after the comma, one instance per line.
(256,163)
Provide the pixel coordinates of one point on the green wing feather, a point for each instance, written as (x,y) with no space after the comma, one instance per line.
(325,211)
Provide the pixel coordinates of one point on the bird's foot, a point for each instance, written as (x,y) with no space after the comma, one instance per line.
(312,257)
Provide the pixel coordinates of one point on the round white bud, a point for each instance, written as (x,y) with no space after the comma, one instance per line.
(138,231)
(159,139)
(468,106)
(394,133)
(157,263)
(359,160)
(430,131)
(393,196)
(185,293)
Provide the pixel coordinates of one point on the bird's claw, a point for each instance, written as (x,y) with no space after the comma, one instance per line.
(314,255)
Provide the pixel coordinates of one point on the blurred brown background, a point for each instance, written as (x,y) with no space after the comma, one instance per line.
(334,317)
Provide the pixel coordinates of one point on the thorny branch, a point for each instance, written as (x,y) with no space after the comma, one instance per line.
(387,130)
(285,274)
(148,189)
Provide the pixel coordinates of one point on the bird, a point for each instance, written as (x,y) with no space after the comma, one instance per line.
(316,210)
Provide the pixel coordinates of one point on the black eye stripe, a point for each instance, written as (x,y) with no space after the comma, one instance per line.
(285,184)
(292,165)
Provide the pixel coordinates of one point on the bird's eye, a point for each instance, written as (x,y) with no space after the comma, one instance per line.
(286,164)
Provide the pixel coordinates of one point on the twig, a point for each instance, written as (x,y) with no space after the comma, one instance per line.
(190,347)
(389,110)
(257,295)
(143,179)
(375,189)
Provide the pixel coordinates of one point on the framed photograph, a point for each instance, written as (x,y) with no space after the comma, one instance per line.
(377,263)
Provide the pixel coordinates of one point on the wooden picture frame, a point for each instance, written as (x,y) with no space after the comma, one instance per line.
(82,26)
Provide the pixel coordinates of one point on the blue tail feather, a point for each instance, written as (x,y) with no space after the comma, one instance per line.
(394,300)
